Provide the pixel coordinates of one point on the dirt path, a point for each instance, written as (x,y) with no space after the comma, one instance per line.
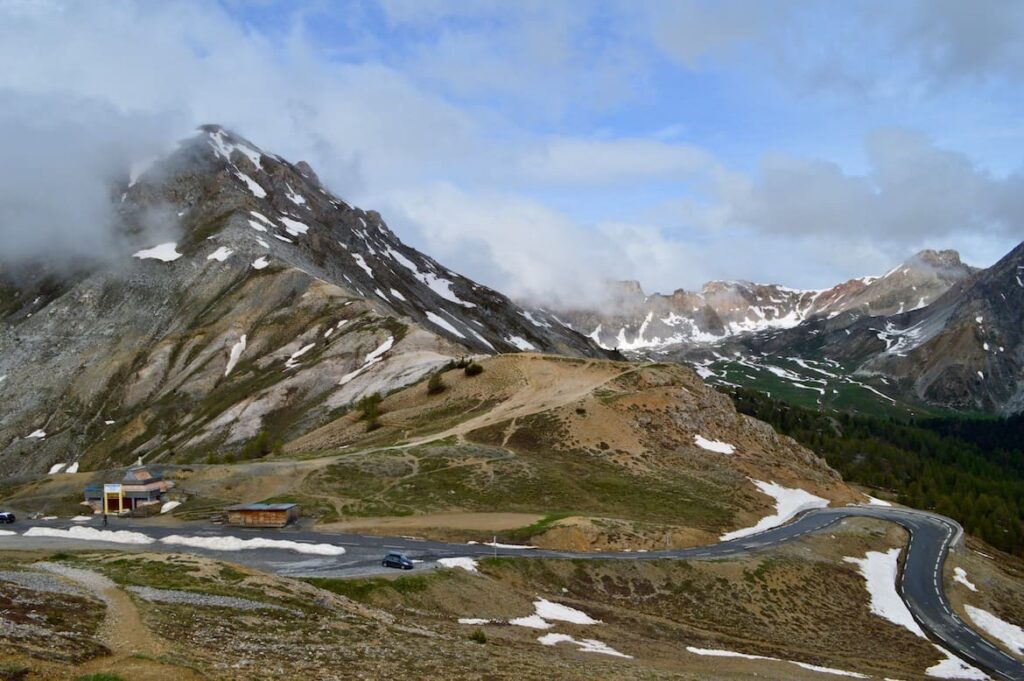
(134,648)
(535,397)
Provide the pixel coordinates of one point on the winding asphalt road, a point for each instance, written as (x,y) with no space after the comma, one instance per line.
(920,581)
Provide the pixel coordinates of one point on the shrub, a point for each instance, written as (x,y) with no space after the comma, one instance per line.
(473,369)
(369,405)
(436,384)
(478,636)
(13,672)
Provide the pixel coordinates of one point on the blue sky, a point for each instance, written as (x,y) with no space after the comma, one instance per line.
(544,147)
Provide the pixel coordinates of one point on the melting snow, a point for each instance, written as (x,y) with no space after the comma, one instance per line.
(236,352)
(587,645)
(499,545)
(370,360)
(283,238)
(880,571)
(236,544)
(262,218)
(257,226)
(221,254)
(73,468)
(829,670)
(473,620)
(713,445)
(467,564)
(444,323)
(531,621)
(260,262)
(37,434)
(954,668)
(959,575)
(556,611)
(294,197)
(877,502)
(56,468)
(294,227)
(709,652)
(261,242)
(90,534)
(788,502)
(1010,634)
(521,343)
(251,184)
(362,263)
(166,252)
(397,294)
(292,361)
(169,506)
(436,283)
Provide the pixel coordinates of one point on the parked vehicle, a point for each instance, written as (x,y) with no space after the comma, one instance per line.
(6,517)
(397,560)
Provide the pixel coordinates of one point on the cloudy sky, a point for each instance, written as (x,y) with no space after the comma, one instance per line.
(541,147)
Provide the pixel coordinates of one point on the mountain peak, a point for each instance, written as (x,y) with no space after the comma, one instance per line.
(948,258)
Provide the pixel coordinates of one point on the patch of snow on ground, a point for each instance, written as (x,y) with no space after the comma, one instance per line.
(56,468)
(7,533)
(37,434)
(294,227)
(295,197)
(587,645)
(879,571)
(81,518)
(73,468)
(221,254)
(473,620)
(254,187)
(467,564)
(443,323)
(283,238)
(362,263)
(293,361)
(788,502)
(371,359)
(959,575)
(710,652)
(499,545)
(236,544)
(169,506)
(713,445)
(1010,634)
(257,226)
(260,262)
(90,534)
(166,252)
(531,621)
(262,218)
(236,352)
(556,611)
(397,294)
(954,668)
(521,343)
(872,501)
(829,670)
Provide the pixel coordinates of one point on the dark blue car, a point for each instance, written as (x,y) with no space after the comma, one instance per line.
(397,560)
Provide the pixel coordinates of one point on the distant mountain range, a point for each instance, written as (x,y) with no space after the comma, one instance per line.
(932,332)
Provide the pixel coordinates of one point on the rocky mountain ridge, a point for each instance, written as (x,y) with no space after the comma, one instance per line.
(632,321)
(267,304)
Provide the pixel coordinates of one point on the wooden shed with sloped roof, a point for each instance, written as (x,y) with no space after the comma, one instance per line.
(262,515)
